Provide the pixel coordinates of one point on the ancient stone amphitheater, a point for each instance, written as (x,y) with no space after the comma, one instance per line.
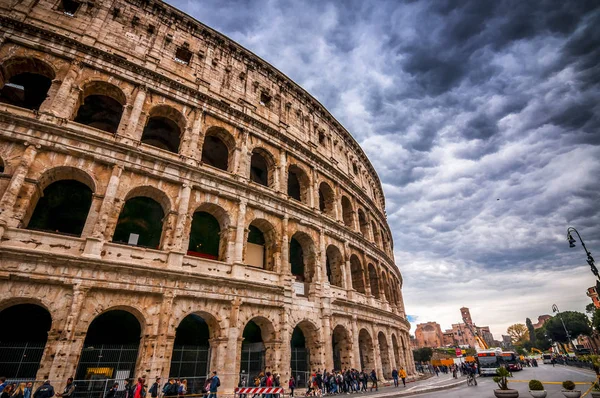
(172,204)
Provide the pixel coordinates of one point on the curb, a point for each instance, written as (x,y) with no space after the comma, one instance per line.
(421,391)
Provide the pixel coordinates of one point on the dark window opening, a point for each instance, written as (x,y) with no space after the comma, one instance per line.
(215,153)
(347,212)
(1,166)
(205,236)
(334,264)
(340,346)
(321,138)
(373,281)
(326,198)
(26,90)
(191,351)
(300,359)
(111,345)
(140,223)
(259,170)
(101,112)
(162,133)
(265,99)
(69,7)
(22,344)
(297,259)
(256,250)
(364,225)
(354,169)
(358,281)
(63,208)
(151,29)
(293,186)
(253,352)
(183,55)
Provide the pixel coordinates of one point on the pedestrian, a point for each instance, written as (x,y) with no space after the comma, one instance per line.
(155,388)
(44,391)
(3,383)
(242,384)
(112,391)
(69,389)
(28,387)
(19,391)
(139,389)
(395,377)
(6,393)
(402,375)
(373,380)
(215,383)
(182,387)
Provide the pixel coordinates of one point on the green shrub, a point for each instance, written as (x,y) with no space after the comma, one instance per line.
(568,385)
(535,385)
(501,378)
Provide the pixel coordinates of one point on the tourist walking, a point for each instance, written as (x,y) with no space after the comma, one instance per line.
(44,391)
(69,389)
(403,375)
(28,387)
(374,380)
(395,377)
(3,383)
(182,387)
(139,389)
(6,393)
(112,392)
(19,391)
(292,385)
(155,388)
(215,383)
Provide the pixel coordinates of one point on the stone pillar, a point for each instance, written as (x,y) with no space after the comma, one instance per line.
(377,354)
(159,359)
(241,158)
(326,338)
(348,267)
(182,218)
(9,198)
(130,129)
(391,351)
(232,358)
(64,101)
(282,187)
(285,247)
(94,243)
(355,343)
(189,146)
(314,190)
(323,256)
(240,234)
(218,353)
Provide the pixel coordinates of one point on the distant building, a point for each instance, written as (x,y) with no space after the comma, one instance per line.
(593,294)
(429,335)
(506,342)
(542,319)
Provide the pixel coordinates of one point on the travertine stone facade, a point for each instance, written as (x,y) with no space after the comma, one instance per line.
(156,63)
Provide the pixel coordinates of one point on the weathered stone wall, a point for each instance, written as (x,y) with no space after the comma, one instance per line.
(126,50)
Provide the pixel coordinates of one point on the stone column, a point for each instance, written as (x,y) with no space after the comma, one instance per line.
(285,247)
(64,101)
(355,343)
(377,355)
(240,234)
(189,146)
(391,351)
(282,187)
(314,193)
(175,246)
(159,359)
(348,268)
(130,129)
(9,198)
(232,358)
(326,338)
(323,256)
(93,244)
(241,158)
(218,353)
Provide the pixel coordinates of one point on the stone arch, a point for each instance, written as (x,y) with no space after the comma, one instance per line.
(374,281)
(341,344)
(305,350)
(262,167)
(298,183)
(363,223)
(347,212)
(62,202)
(208,232)
(141,218)
(217,148)
(164,128)
(385,288)
(396,350)
(302,256)
(384,354)
(358,277)
(335,265)
(257,346)
(326,198)
(25,81)
(261,244)
(101,334)
(366,350)
(101,106)
(25,335)
(376,234)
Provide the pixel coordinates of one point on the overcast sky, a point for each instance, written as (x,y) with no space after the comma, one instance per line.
(482,119)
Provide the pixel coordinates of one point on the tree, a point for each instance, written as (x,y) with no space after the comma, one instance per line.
(596,320)
(542,342)
(518,333)
(530,330)
(577,323)
(422,354)
(590,309)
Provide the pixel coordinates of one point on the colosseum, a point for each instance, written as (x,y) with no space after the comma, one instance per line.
(171,204)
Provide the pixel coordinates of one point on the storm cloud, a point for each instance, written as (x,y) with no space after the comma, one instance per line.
(482,119)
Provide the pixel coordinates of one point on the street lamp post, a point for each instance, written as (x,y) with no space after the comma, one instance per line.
(590,259)
(555,309)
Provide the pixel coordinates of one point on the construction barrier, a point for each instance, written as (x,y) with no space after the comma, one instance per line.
(259,390)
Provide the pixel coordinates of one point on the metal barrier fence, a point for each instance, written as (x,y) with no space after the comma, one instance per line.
(20,360)
(575,362)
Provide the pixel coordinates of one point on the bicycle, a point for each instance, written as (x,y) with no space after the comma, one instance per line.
(471,380)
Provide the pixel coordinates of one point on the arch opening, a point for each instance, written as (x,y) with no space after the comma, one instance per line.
(101,106)
(326,198)
(26,82)
(300,358)
(374,281)
(298,183)
(376,237)
(63,208)
(205,236)
(366,351)
(335,263)
(253,350)
(215,153)
(191,351)
(162,132)
(342,348)
(109,351)
(256,250)
(396,350)
(259,168)
(358,278)
(140,223)
(363,223)
(302,257)
(347,212)
(23,340)
(384,354)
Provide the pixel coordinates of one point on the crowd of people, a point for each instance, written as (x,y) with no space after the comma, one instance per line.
(465,368)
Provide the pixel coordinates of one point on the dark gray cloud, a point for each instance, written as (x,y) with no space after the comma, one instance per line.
(482,119)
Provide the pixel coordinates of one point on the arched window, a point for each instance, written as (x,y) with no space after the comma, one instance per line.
(297,259)
(299,360)
(358,278)
(302,257)
(63,208)
(22,346)
(326,198)
(191,349)
(365,349)
(26,82)
(335,263)
(140,223)
(257,332)
(297,184)
(217,148)
(374,281)
(255,255)
(376,237)
(110,348)
(205,236)
(260,168)
(347,212)
(364,224)
(384,354)
(164,128)
(101,106)
(342,346)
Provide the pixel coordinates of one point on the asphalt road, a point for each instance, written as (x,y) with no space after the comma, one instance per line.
(544,373)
